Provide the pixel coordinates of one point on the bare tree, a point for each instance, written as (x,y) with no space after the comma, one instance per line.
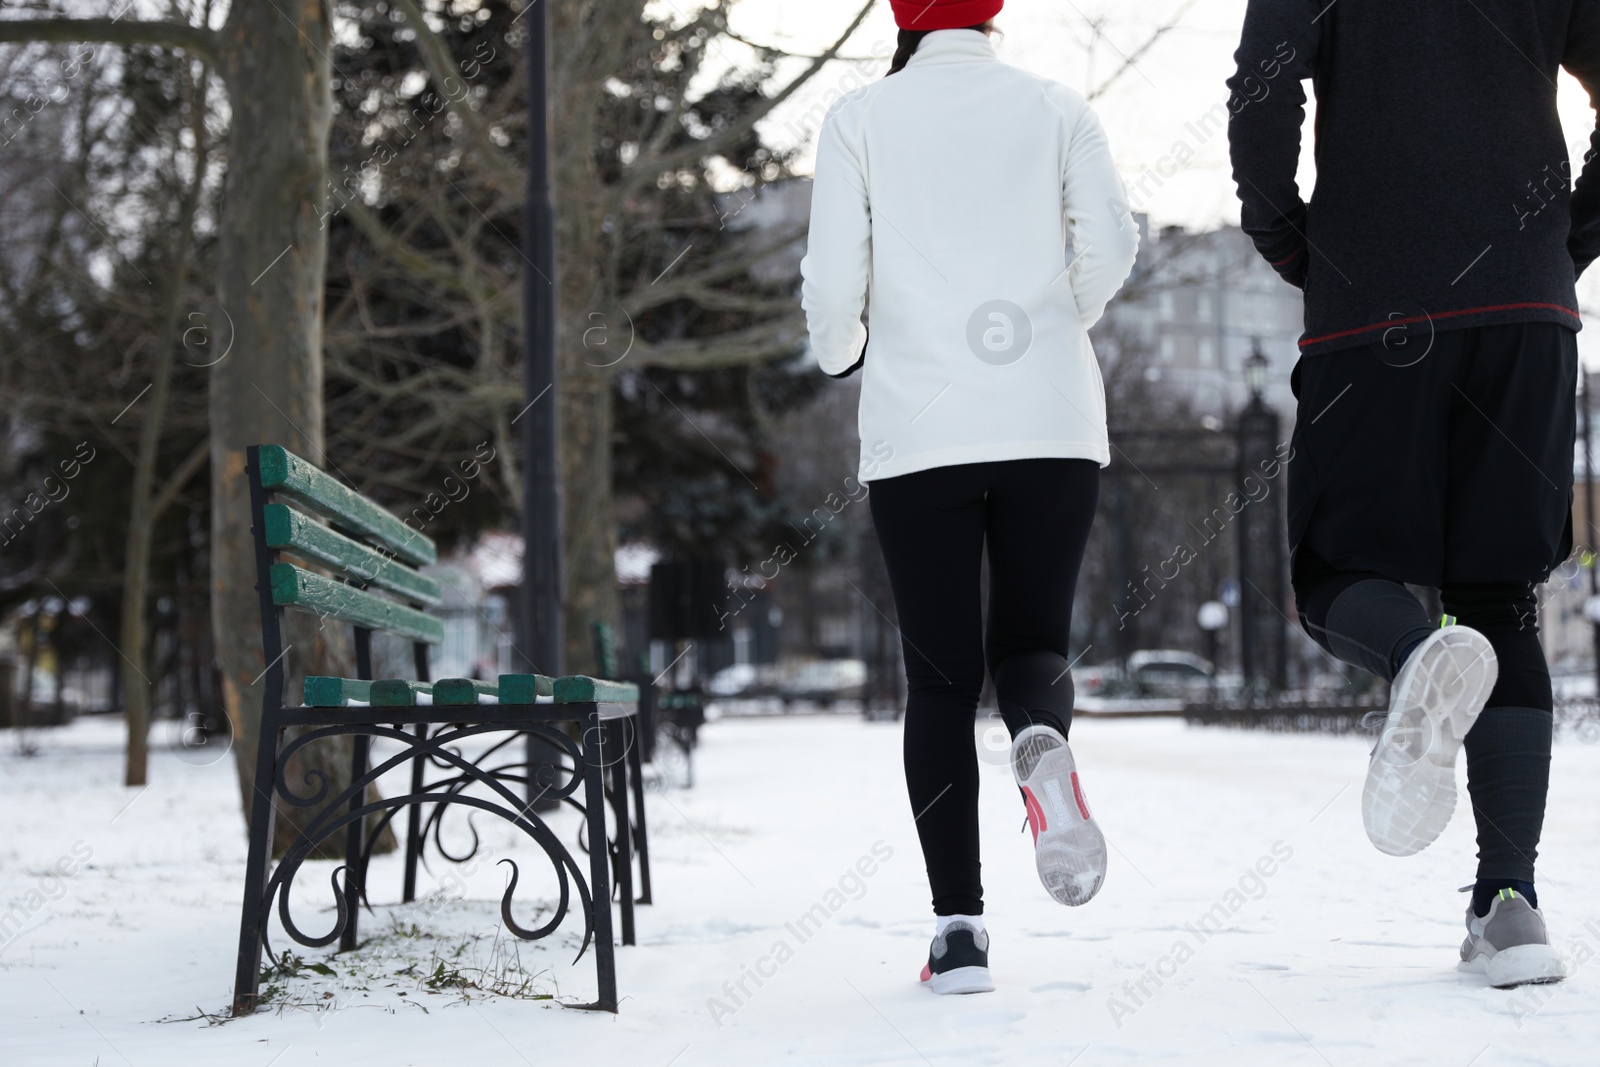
(644,263)
(270,268)
(152,494)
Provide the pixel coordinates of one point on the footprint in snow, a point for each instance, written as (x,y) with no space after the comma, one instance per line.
(1068,934)
(987,1020)
(1068,987)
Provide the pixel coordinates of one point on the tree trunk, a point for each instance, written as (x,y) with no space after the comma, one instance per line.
(590,524)
(271,248)
(34,631)
(272,253)
(58,702)
(144,510)
(137,693)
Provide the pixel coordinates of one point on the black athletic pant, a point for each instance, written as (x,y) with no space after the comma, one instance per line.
(1034,515)
(1444,461)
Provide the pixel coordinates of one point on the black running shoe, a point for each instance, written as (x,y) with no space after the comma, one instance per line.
(958,962)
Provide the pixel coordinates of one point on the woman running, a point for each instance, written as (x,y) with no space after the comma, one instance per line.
(954,194)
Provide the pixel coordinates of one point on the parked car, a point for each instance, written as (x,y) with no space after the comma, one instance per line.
(737,680)
(824,681)
(1170,673)
(1159,672)
(1103,680)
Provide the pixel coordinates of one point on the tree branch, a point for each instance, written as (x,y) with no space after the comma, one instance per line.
(196,40)
(180,477)
(755,344)
(727,266)
(441,66)
(1132,58)
(647,169)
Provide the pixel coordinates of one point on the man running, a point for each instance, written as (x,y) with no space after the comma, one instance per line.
(1434,436)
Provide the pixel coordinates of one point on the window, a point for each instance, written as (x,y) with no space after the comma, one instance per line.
(1202,307)
(1208,352)
(1168,348)
(1164,305)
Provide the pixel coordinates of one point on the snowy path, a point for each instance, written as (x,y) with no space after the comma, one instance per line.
(1330,953)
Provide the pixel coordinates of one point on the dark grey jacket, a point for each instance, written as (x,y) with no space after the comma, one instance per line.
(1443,196)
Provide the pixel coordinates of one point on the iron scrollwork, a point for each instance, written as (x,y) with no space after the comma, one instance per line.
(441,748)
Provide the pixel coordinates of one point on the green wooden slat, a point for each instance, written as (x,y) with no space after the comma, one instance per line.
(284,472)
(523,688)
(288,529)
(605,648)
(462,690)
(397,692)
(579,688)
(333,692)
(294,587)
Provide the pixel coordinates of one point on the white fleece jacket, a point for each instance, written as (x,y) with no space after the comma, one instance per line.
(951,192)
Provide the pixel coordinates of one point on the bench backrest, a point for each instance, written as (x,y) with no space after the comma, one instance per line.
(298,511)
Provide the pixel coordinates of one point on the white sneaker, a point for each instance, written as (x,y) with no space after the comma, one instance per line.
(1068,847)
(1510,944)
(1411,782)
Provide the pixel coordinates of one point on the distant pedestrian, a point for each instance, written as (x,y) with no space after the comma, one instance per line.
(949,201)
(1434,437)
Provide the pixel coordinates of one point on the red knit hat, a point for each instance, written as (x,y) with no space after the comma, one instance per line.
(943,14)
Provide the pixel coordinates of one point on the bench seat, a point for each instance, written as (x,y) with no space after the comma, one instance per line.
(324,692)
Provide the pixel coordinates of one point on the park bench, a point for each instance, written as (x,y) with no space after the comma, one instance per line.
(324,549)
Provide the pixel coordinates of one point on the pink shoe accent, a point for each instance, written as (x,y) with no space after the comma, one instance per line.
(927,972)
(1077,794)
(1036,819)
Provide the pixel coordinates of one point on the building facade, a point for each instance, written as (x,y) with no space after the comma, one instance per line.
(1192,311)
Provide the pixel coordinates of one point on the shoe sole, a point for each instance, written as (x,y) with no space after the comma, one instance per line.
(1410,792)
(961,980)
(1518,965)
(1069,848)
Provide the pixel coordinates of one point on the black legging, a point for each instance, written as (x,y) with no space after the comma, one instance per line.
(932,525)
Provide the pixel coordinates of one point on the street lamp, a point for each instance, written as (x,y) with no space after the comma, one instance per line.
(1263,635)
(1212,616)
(1257,369)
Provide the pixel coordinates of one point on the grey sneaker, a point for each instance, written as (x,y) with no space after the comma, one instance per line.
(1411,782)
(958,961)
(1068,847)
(1510,944)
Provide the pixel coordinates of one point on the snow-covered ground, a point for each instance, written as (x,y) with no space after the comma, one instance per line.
(1245,920)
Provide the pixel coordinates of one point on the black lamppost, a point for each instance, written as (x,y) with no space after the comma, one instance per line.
(1263,633)
(1211,617)
(1591,608)
(540,640)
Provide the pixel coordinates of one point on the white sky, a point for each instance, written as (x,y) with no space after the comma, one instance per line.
(1144,111)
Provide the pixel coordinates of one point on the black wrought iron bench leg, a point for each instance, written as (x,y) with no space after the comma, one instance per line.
(355,874)
(594,805)
(641,838)
(252,921)
(616,745)
(414,821)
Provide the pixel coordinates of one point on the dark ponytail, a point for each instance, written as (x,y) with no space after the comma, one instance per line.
(906,44)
